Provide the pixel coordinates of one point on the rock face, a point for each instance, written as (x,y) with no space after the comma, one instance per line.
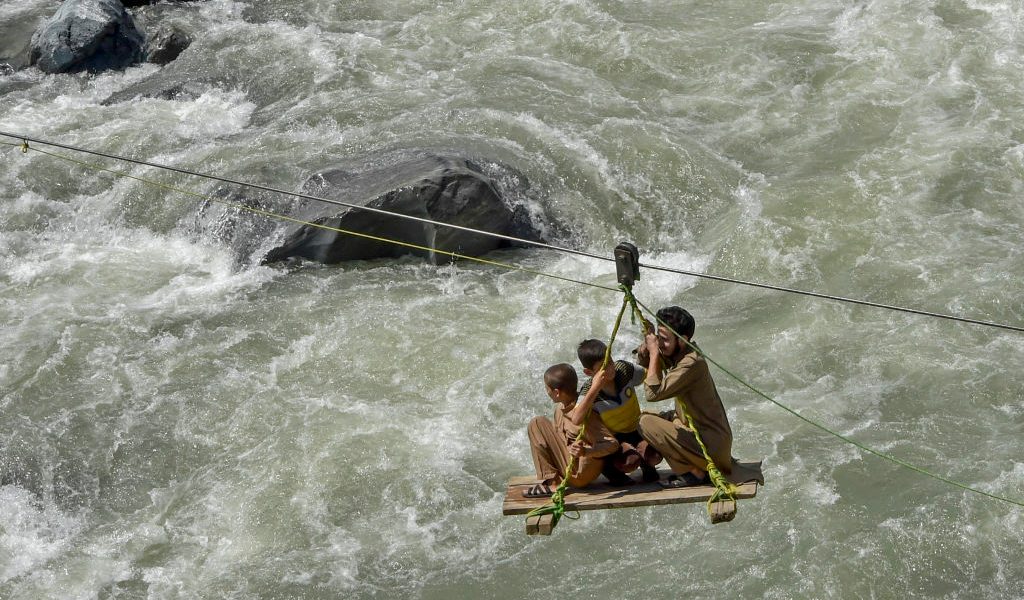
(166,44)
(87,35)
(440,188)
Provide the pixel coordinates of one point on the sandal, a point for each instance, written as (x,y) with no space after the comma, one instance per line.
(684,480)
(540,490)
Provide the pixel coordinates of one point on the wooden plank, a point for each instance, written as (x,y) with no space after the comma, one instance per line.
(723,511)
(599,496)
(540,524)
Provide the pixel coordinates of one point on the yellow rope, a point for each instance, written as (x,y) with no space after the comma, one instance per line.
(556,507)
(24,147)
(723,487)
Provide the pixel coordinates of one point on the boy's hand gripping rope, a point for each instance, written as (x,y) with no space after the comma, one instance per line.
(723,487)
(556,508)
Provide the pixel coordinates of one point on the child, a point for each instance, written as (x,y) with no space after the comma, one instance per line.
(677,371)
(552,442)
(610,393)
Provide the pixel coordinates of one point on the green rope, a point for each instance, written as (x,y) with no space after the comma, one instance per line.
(24,147)
(556,507)
(723,487)
(842,437)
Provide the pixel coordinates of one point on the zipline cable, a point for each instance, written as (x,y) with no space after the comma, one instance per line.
(301,195)
(509,238)
(824,428)
(266,213)
(24,146)
(777,288)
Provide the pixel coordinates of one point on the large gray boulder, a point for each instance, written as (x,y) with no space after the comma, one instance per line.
(448,189)
(87,35)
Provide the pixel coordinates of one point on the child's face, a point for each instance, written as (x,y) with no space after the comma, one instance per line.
(667,341)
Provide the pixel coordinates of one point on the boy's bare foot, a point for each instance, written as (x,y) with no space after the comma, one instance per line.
(628,460)
(650,455)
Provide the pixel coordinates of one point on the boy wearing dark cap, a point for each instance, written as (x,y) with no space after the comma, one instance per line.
(676,370)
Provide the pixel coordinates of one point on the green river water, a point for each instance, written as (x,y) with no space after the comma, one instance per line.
(178,423)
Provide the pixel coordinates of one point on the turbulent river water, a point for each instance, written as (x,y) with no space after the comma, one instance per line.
(179,423)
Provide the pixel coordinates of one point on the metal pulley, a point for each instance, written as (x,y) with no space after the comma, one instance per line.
(627,263)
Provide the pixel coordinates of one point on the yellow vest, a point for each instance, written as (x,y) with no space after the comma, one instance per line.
(620,419)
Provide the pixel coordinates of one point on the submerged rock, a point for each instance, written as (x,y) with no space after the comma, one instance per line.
(449,189)
(87,35)
(166,44)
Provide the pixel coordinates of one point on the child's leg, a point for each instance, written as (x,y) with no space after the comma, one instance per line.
(587,471)
(673,442)
(612,473)
(550,456)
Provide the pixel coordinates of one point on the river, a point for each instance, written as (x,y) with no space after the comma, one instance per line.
(179,423)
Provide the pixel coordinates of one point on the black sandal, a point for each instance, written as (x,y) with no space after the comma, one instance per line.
(650,473)
(684,480)
(540,490)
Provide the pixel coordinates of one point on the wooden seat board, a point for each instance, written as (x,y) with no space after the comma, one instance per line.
(600,495)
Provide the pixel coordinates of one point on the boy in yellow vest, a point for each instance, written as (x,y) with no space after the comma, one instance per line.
(612,395)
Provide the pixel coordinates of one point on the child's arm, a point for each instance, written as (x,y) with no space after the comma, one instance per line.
(652,380)
(582,409)
(599,441)
(602,448)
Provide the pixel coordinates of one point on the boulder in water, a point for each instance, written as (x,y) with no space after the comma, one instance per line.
(448,189)
(166,44)
(87,35)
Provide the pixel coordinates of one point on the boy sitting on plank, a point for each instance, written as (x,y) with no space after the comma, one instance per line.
(553,441)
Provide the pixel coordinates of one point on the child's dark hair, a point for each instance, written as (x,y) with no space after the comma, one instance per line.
(591,353)
(677,319)
(561,377)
